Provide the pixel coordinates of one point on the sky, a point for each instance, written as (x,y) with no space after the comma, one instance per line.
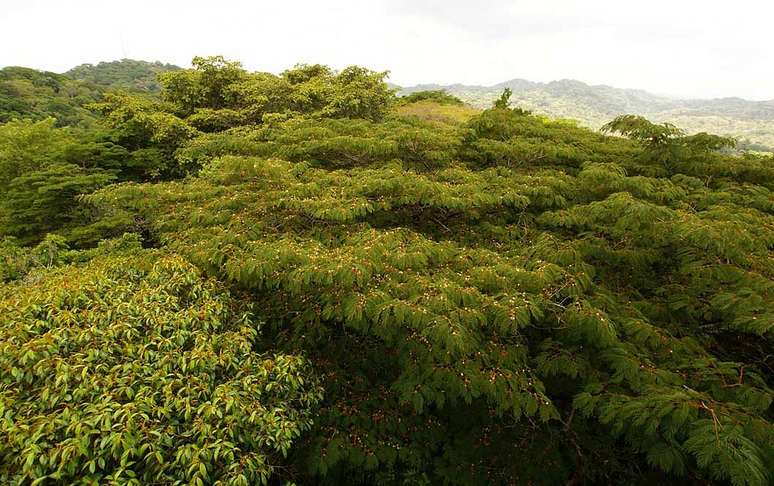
(683,48)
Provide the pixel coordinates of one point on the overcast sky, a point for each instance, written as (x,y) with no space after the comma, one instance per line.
(696,48)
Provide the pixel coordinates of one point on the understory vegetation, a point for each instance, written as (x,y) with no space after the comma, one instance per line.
(251,278)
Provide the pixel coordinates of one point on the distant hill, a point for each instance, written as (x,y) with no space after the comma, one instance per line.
(33,94)
(750,121)
(28,93)
(126,73)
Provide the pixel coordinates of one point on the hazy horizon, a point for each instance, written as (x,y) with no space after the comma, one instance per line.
(688,50)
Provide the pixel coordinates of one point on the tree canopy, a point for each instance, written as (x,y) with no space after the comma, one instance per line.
(36,95)
(133,369)
(320,283)
(126,73)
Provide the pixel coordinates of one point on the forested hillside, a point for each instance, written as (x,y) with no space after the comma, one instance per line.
(126,73)
(301,278)
(750,121)
(30,94)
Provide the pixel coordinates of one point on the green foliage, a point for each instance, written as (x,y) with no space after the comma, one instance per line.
(642,130)
(510,137)
(150,134)
(504,101)
(204,86)
(486,297)
(331,142)
(218,95)
(136,370)
(522,286)
(357,92)
(45,200)
(26,146)
(665,143)
(593,106)
(438,96)
(37,95)
(126,73)
(43,169)
(17,261)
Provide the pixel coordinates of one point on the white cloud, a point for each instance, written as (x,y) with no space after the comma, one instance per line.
(684,47)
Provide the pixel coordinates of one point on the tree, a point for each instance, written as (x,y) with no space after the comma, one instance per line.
(665,143)
(359,93)
(26,145)
(44,200)
(204,86)
(217,95)
(157,378)
(523,288)
(504,102)
(43,169)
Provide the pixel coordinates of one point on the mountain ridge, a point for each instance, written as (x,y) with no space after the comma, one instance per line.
(520,84)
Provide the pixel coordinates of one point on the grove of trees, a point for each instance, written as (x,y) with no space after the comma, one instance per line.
(252,278)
